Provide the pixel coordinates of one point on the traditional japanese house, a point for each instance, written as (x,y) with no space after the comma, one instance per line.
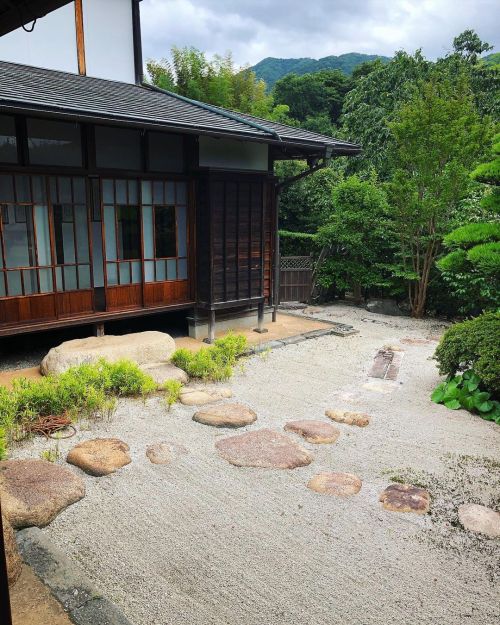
(118,199)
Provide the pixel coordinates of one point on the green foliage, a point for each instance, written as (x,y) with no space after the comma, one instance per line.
(489,173)
(486,258)
(471,234)
(306,204)
(297,243)
(314,97)
(215,81)
(473,344)
(469,45)
(212,363)
(172,390)
(438,135)
(88,390)
(357,237)
(464,391)
(272,69)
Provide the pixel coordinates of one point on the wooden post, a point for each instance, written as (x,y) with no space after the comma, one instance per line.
(80,39)
(211,327)
(260,319)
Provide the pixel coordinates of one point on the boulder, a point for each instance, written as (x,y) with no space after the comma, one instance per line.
(384,307)
(34,492)
(265,449)
(201,396)
(405,498)
(480,519)
(14,562)
(161,373)
(141,347)
(314,431)
(349,418)
(226,416)
(100,456)
(338,484)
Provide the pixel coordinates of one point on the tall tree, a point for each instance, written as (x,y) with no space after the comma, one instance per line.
(437,137)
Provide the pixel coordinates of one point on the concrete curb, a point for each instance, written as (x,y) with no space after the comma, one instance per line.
(337,329)
(68,584)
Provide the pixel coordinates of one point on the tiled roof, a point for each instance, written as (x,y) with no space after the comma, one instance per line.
(32,89)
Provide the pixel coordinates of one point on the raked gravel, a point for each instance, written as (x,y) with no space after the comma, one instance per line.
(202,542)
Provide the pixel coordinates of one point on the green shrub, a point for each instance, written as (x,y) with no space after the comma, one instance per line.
(88,391)
(475,345)
(172,390)
(212,363)
(464,391)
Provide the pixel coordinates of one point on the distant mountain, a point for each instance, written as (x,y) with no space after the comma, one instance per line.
(490,59)
(272,69)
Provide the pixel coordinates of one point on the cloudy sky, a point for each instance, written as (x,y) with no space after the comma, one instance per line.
(254,29)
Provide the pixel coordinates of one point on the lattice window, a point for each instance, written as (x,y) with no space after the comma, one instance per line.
(296,262)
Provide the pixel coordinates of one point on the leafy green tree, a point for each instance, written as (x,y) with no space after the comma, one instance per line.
(472,266)
(215,81)
(356,239)
(437,136)
(311,96)
(469,45)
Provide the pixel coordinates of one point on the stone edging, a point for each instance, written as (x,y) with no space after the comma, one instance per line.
(67,583)
(337,329)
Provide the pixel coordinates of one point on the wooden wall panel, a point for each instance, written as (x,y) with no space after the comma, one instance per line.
(124,297)
(74,302)
(165,293)
(28,308)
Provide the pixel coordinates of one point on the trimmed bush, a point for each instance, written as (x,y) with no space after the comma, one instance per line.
(212,363)
(475,345)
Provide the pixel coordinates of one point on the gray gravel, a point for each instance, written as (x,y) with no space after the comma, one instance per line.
(201,542)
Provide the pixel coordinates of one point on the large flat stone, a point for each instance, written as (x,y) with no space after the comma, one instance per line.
(349,418)
(480,519)
(141,347)
(34,492)
(100,456)
(265,449)
(405,498)
(226,416)
(314,431)
(338,484)
(161,373)
(200,396)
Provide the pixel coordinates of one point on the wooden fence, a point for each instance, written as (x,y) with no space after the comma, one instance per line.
(295,278)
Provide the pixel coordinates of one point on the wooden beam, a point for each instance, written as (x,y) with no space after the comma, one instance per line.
(80,38)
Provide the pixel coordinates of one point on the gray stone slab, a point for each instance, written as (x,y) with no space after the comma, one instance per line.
(98,612)
(293,340)
(66,581)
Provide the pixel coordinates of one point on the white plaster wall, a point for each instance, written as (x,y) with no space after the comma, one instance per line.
(52,44)
(233,154)
(109,44)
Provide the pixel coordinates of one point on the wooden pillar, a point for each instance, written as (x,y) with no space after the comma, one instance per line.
(260,319)
(80,39)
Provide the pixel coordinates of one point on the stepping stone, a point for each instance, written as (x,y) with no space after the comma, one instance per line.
(201,396)
(100,456)
(226,416)
(14,562)
(314,431)
(405,498)
(164,453)
(263,448)
(386,364)
(163,372)
(480,519)
(349,418)
(339,484)
(412,341)
(34,492)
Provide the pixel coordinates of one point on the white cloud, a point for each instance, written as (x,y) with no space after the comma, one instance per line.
(254,29)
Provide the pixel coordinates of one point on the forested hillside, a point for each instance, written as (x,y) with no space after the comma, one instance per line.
(272,69)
